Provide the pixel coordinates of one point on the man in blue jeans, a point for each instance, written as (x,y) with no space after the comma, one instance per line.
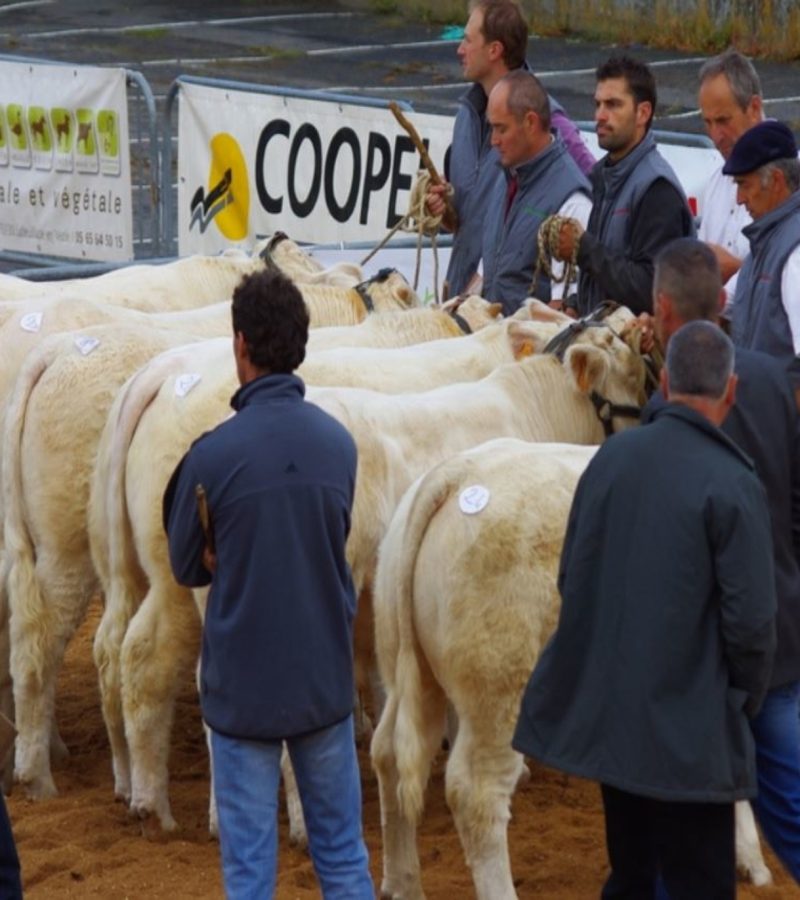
(260,509)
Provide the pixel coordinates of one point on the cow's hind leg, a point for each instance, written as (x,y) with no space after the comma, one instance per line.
(749,858)
(122,600)
(480,778)
(401,868)
(161,642)
(45,612)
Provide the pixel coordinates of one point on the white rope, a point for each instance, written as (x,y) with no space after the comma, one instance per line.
(417,220)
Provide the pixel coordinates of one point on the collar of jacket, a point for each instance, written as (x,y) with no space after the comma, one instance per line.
(269,389)
(692,417)
(611,176)
(532,169)
(475,96)
(757,230)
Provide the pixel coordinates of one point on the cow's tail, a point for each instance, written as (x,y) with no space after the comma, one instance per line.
(21,594)
(113,546)
(400,654)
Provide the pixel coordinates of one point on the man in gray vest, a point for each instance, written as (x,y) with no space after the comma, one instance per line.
(730,103)
(495,42)
(536,178)
(765,314)
(638,203)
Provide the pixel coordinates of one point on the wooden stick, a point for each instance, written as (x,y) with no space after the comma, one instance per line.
(412,132)
(449,219)
(205,518)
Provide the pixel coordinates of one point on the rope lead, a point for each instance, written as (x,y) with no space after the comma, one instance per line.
(419,221)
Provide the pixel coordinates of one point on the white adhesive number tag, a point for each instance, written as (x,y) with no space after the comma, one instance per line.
(473,499)
(31,321)
(184,383)
(86,344)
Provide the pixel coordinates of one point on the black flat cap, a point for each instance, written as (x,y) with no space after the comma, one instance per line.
(762,144)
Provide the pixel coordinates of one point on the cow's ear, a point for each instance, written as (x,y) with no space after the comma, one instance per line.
(495,310)
(537,311)
(588,367)
(525,340)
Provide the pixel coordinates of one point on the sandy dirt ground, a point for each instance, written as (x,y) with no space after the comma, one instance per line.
(83,844)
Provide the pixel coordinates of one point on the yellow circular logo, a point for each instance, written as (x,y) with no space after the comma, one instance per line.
(228,178)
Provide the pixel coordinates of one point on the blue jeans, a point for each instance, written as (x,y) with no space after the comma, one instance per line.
(246,777)
(10,883)
(776,730)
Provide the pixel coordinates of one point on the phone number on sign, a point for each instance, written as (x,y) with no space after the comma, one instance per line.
(97,239)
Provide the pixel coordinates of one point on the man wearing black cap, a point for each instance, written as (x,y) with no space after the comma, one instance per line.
(765,314)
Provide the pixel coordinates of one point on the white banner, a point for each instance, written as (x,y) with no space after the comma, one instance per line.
(65,186)
(252,164)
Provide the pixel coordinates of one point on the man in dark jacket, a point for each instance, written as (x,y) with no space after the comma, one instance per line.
(278,481)
(495,42)
(764,422)
(665,640)
(638,204)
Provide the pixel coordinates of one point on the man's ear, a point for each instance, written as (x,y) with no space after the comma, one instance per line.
(644,113)
(730,390)
(496,50)
(240,345)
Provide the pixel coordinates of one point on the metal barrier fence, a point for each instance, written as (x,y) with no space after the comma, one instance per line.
(153,164)
(145,165)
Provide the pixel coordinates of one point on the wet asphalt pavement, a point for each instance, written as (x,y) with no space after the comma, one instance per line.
(335,46)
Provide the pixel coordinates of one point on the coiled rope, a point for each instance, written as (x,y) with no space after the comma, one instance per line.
(417,220)
(547,240)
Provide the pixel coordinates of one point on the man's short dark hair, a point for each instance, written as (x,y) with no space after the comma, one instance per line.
(687,271)
(504,21)
(270,312)
(638,77)
(526,94)
(740,72)
(699,361)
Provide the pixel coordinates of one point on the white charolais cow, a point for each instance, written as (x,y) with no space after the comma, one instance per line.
(468,634)
(184,283)
(413,326)
(398,437)
(55,416)
(421,367)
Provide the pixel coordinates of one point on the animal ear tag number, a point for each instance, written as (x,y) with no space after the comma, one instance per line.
(185,382)
(31,322)
(473,499)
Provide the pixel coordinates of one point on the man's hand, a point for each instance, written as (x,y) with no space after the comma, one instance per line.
(437,205)
(209,560)
(729,264)
(568,239)
(648,335)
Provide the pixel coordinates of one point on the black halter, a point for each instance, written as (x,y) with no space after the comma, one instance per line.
(606,409)
(452,311)
(266,253)
(362,289)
